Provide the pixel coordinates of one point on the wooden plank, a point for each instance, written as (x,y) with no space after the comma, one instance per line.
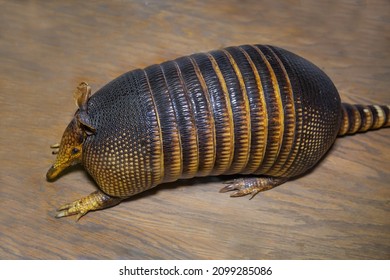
(340,210)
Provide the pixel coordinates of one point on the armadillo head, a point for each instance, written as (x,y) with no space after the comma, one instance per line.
(70,150)
(71,147)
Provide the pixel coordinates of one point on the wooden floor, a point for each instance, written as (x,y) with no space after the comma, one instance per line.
(340,210)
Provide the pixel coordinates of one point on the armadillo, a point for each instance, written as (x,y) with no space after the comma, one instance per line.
(256,110)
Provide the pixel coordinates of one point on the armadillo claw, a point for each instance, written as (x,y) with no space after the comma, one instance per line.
(232,185)
(251,185)
(56,148)
(241,187)
(95,201)
(71,209)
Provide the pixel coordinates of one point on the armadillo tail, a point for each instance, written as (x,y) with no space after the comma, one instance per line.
(360,118)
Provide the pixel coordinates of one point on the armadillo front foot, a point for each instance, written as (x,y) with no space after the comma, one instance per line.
(95,201)
(251,185)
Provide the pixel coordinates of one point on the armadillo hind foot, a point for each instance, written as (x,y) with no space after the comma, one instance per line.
(251,185)
(95,201)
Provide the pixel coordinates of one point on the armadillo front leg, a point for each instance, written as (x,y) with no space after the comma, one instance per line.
(252,185)
(95,201)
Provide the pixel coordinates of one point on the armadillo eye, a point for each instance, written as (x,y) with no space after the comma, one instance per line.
(75,151)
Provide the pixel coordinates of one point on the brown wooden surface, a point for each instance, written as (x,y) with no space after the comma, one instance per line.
(340,210)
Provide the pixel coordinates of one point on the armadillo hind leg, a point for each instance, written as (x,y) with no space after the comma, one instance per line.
(251,185)
(95,201)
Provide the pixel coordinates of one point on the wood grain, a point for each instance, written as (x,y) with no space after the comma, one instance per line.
(339,210)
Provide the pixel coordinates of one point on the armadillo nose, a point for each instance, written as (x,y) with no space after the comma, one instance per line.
(52,173)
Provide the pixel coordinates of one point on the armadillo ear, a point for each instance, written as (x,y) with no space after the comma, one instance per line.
(81,95)
(85,123)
